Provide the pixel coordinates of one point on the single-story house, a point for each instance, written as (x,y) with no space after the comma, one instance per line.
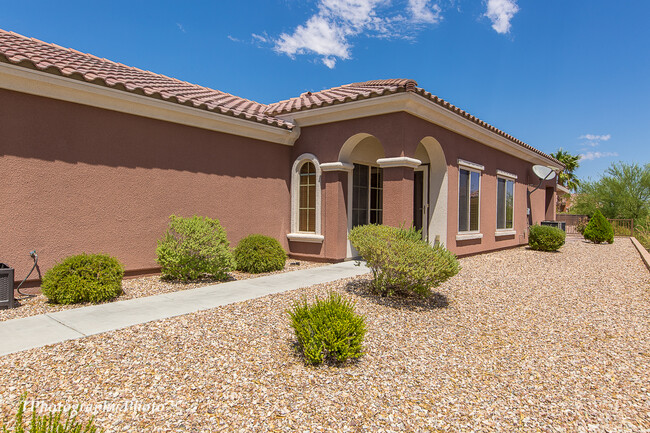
(95,156)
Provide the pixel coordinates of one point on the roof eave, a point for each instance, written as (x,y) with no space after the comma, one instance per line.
(26,79)
(423,107)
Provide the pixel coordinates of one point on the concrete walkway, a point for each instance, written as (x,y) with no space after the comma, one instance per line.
(37,331)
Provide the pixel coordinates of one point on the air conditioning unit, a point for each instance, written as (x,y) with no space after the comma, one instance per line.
(557,224)
(6,286)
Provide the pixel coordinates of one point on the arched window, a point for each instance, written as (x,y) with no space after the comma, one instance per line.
(305,200)
(307,203)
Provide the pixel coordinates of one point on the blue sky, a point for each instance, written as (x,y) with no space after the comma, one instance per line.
(553,73)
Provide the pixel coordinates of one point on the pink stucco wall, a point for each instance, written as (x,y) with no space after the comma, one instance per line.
(82,179)
(399,135)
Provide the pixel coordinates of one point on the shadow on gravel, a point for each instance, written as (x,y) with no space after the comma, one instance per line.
(361,288)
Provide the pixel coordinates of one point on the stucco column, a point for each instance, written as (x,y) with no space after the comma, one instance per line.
(334,182)
(398,190)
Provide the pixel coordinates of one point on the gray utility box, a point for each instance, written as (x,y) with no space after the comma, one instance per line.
(557,224)
(6,286)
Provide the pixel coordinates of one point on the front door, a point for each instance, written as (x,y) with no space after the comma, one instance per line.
(421,199)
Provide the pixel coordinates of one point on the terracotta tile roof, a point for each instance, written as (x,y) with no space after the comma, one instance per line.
(375,88)
(32,53)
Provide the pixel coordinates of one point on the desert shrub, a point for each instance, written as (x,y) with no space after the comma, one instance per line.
(53,422)
(546,238)
(259,253)
(599,229)
(328,329)
(83,278)
(194,247)
(402,263)
(581,225)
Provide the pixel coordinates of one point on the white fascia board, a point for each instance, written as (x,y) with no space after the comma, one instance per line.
(562,189)
(24,80)
(417,106)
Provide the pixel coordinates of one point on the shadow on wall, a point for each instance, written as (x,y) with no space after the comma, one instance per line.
(51,130)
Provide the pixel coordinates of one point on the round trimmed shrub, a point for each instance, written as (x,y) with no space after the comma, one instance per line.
(259,253)
(328,329)
(401,262)
(546,238)
(599,229)
(193,248)
(83,278)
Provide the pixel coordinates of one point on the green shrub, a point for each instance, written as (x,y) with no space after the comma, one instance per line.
(53,422)
(599,229)
(259,253)
(194,247)
(546,238)
(581,225)
(401,262)
(328,329)
(83,278)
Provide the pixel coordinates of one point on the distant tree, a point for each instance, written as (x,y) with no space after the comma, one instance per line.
(567,176)
(622,192)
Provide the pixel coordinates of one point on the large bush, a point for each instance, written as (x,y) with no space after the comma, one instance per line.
(259,253)
(599,229)
(83,278)
(328,329)
(546,238)
(400,262)
(194,247)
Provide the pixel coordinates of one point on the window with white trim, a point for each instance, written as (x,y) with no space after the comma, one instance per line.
(469,194)
(367,195)
(505,203)
(307,200)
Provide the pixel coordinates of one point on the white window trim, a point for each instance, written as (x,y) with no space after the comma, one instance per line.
(502,173)
(464,235)
(508,230)
(470,165)
(297,235)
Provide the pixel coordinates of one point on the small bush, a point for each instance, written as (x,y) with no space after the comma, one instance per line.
(83,278)
(53,422)
(599,229)
(581,225)
(401,262)
(546,238)
(194,247)
(259,253)
(328,329)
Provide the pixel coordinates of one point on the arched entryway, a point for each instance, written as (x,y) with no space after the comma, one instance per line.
(430,190)
(360,153)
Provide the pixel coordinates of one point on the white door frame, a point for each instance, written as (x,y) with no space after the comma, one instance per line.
(425,200)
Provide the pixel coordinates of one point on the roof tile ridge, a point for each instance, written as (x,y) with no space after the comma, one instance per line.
(128,67)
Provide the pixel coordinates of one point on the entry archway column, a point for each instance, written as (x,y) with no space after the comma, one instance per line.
(398,190)
(334,183)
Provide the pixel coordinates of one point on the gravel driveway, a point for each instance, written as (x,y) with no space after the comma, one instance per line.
(518,341)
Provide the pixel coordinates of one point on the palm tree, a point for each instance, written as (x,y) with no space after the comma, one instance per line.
(567,177)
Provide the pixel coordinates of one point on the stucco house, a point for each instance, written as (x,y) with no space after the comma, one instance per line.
(95,156)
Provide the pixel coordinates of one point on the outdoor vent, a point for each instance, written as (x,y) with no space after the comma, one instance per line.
(6,286)
(557,224)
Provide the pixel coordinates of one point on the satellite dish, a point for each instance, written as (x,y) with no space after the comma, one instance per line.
(543,172)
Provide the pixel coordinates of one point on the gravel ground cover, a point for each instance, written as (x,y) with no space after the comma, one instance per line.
(519,340)
(141,287)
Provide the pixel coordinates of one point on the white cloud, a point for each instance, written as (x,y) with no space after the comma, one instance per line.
(592,137)
(595,155)
(500,12)
(234,39)
(260,38)
(327,34)
(180,27)
(423,11)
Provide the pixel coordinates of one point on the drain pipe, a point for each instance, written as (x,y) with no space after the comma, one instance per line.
(27,295)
